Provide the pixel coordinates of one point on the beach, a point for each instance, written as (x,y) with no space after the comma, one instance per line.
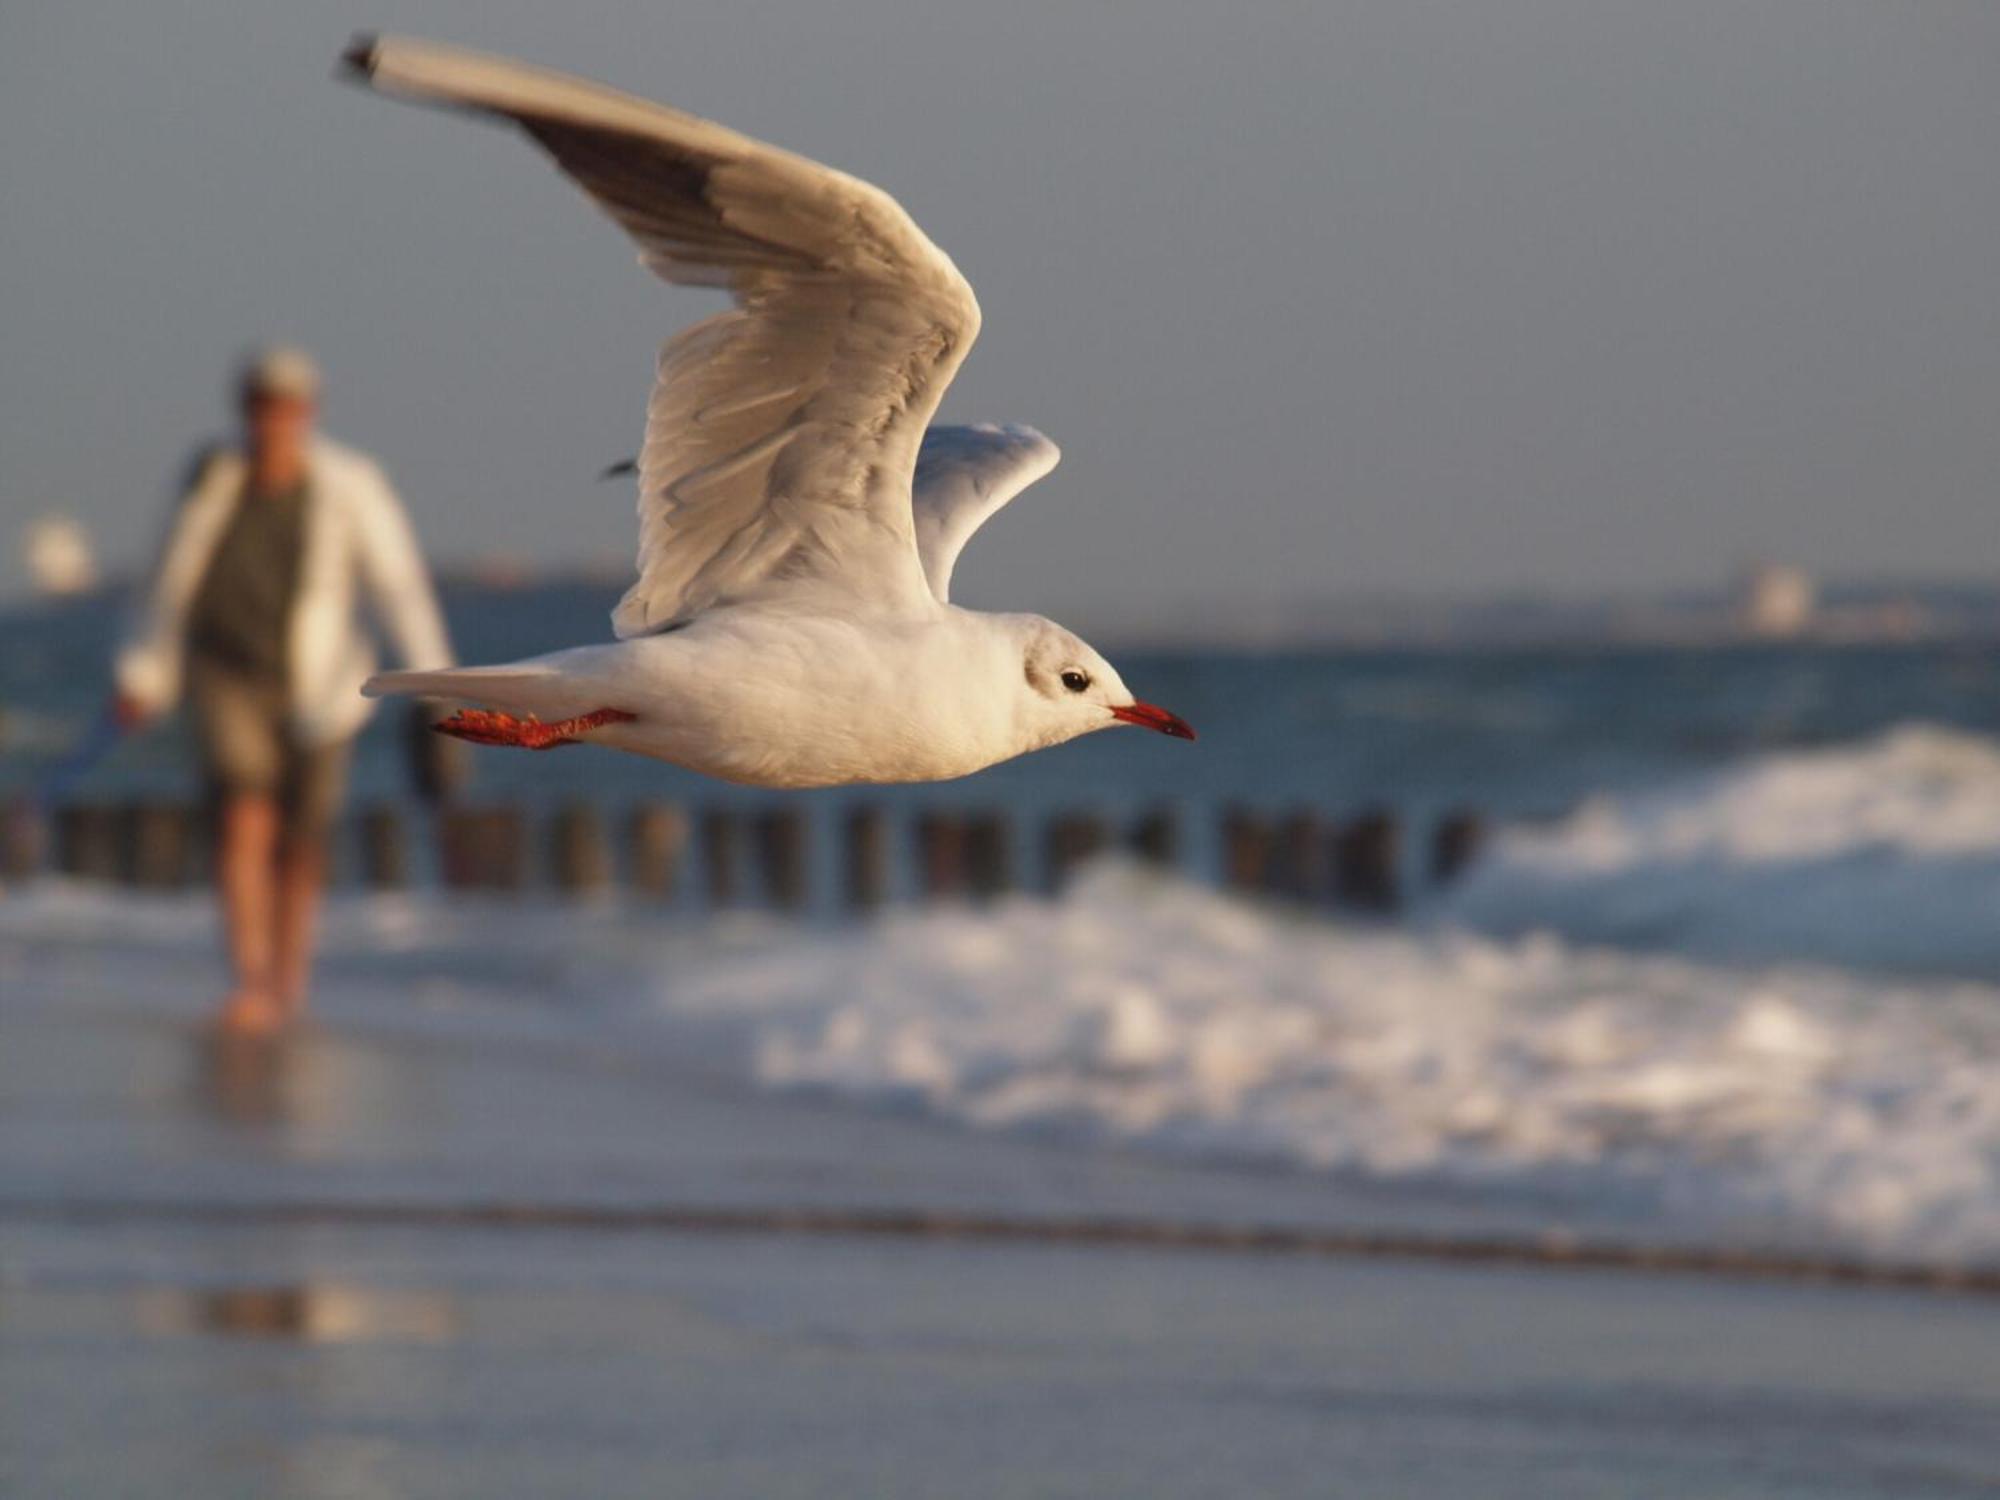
(234,1262)
(1658,1154)
(1524,1024)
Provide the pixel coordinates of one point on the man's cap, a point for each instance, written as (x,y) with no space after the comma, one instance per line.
(279,370)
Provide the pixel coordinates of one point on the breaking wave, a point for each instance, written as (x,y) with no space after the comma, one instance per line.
(1884,855)
(1774,1106)
(1755,1007)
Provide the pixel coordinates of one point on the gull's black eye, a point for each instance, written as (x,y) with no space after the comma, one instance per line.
(1075,681)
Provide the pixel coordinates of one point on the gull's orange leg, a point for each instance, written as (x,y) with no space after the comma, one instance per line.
(483,727)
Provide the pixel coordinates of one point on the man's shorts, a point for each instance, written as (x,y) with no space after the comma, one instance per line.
(243,726)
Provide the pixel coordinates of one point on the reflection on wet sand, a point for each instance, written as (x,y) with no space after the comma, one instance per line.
(247,1080)
(305,1093)
(305,1312)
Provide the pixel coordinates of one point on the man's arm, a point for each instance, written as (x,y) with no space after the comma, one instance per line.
(147,669)
(398,582)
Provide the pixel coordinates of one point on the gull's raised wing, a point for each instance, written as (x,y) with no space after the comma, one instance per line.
(782,434)
(965,474)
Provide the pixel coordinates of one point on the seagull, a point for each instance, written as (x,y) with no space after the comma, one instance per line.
(799,517)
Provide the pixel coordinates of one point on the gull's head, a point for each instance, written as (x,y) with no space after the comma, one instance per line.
(1068,689)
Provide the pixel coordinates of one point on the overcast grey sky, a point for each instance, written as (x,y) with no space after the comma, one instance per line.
(1436,296)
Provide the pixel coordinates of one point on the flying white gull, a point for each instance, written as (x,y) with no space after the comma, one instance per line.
(791,625)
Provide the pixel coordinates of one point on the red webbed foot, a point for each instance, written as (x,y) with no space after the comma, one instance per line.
(484,727)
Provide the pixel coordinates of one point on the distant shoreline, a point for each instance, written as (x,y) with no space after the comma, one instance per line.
(1850,615)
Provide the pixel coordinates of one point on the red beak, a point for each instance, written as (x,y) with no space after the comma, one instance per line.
(1146,716)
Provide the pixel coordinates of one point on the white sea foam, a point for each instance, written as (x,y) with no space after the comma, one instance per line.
(1685,1098)
(1880,854)
(1782,1106)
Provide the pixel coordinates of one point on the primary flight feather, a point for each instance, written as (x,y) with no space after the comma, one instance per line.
(799,518)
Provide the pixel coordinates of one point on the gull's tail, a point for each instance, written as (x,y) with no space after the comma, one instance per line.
(519,688)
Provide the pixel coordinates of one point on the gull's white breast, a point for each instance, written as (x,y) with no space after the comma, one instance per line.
(782,699)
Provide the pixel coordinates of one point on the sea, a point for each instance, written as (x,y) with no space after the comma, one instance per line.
(1726,971)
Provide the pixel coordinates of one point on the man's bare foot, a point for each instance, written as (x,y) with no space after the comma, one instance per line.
(252,1013)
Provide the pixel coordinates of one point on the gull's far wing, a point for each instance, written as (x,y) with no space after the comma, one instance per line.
(782,434)
(964,475)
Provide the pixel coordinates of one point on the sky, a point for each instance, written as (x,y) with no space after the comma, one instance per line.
(1428,298)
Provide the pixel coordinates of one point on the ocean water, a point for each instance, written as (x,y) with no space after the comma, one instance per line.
(1794,1106)
(1521,733)
(1728,973)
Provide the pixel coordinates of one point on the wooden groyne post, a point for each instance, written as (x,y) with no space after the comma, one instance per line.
(157,845)
(87,842)
(940,849)
(579,852)
(385,849)
(719,856)
(989,858)
(1455,843)
(1367,864)
(1297,861)
(24,838)
(1246,850)
(867,861)
(656,843)
(1072,839)
(1156,837)
(1304,856)
(781,850)
(483,848)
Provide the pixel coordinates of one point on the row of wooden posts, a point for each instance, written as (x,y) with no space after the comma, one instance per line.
(1355,863)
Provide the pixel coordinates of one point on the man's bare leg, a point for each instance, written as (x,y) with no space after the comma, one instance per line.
(245,861)
(301,880)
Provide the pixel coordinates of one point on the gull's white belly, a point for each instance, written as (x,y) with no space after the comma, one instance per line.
(798,702)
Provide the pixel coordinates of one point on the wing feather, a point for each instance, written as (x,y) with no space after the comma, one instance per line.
(964,475)
(782,435)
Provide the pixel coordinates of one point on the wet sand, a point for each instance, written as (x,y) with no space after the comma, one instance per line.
(173,1353)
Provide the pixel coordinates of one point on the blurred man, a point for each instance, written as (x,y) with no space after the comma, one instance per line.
(253,614)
